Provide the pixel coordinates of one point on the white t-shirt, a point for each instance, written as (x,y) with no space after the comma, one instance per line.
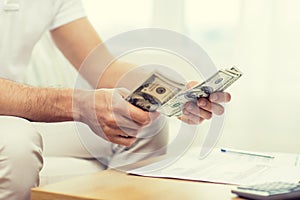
(23,23)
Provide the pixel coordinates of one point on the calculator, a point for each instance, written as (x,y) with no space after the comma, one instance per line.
(269,191)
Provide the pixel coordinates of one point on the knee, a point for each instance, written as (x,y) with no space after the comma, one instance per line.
(17,136)
(20,147)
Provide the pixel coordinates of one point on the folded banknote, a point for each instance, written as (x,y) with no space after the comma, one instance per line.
(162,94)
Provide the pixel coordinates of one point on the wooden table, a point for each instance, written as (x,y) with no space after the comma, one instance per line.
(114,185)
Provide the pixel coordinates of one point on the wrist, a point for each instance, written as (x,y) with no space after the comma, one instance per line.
(80,102)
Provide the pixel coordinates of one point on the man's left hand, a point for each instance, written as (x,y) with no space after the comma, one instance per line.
(204,108)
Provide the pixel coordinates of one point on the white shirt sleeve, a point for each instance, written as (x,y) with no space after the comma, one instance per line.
(66,11)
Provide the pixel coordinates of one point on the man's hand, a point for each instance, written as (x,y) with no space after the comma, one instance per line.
(113,118)
(204,108)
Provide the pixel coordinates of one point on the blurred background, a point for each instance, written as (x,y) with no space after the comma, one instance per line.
(260,37)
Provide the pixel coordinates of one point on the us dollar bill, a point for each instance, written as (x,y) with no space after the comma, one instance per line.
(216,83)
(154,92)
(159,93)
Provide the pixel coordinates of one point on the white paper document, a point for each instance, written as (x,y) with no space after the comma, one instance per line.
(227,167)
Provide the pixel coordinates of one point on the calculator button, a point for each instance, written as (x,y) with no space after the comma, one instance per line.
(296,188)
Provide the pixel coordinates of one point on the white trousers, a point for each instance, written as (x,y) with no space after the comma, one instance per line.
(20,158)
(21,144)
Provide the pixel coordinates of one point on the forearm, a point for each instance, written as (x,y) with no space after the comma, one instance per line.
(35,104)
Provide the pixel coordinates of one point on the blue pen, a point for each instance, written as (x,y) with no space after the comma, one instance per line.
(246,153)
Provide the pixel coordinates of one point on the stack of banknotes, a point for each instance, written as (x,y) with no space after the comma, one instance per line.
(162,94)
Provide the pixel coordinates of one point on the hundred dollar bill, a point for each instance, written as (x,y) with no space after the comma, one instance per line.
(218,82)
(154,92)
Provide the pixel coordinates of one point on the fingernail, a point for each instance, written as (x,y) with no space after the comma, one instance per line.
(185,112)
(189,108)
(202,103)
(220,111)
(213,97)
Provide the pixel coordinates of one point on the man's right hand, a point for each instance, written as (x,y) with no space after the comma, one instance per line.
(110,116)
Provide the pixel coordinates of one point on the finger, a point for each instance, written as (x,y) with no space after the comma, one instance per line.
(138,115)
(123,92)
(125,141)
(191,120)
(125,122)
(122,107)
(119,136)
(127,132)
(117,120)
(210,106)
(219,97)
(128,122)
(123,131)
(191,84)
(192,108)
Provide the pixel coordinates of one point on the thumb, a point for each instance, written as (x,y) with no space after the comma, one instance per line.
(134,113)
(191,84)
(123,92)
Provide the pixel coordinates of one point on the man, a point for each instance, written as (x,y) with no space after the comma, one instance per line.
(22,24)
